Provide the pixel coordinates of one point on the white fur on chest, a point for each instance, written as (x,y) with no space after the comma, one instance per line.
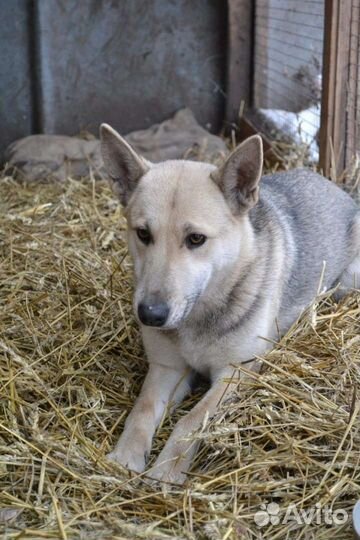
(206,354)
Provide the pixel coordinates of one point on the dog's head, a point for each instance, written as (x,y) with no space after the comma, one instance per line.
(187,223)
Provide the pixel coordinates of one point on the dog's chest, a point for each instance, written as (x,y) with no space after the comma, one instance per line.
(206,354)
(198,353)
(210,351)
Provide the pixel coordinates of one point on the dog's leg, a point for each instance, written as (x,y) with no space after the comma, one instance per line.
(350,278)
(176,457)
(161,386)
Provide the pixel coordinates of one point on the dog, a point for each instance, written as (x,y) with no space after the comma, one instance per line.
(225,261)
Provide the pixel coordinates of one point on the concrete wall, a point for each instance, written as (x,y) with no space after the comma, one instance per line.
(15,77)
(68,65)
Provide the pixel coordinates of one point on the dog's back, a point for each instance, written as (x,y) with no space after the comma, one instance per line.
(316,219)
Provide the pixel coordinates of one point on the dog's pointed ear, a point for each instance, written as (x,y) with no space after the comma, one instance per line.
(122,163)
(238,178)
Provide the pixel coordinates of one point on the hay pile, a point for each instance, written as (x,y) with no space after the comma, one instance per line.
(71,365)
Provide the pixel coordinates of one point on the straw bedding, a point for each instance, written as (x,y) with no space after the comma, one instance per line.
(71,365)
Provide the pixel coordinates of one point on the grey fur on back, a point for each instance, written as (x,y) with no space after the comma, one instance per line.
(316,218)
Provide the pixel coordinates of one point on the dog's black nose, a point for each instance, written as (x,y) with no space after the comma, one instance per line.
(153,314)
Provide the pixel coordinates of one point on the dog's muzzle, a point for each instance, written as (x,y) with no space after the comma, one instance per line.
(153,314)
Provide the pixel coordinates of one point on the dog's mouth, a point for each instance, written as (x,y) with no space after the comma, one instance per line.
(181,312)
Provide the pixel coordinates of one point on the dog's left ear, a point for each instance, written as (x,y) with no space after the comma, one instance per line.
(123,164)
(238,178)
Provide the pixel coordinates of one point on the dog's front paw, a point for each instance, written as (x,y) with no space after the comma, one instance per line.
(170,471)
(129,459)
(169,476)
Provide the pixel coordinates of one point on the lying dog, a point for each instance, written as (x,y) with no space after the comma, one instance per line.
(223,265)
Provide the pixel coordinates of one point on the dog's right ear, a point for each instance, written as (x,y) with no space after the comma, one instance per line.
(122,163)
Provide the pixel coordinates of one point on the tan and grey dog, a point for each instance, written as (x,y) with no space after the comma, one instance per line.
(223,265)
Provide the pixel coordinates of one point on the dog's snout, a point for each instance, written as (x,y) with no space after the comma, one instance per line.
(153,314)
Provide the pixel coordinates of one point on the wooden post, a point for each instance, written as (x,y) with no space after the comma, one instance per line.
(353,97)
(239,57)
(335,85)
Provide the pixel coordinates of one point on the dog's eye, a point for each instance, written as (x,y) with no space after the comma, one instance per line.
(195,240)
(144,235)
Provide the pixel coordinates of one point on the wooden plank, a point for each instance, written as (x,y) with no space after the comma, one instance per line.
(287,40)
(334,95)
(304,27)
(357,148)
(293,5)
(286,7)
(239,61)
(287,90)
(279,51)
(261,46)
(352,108)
